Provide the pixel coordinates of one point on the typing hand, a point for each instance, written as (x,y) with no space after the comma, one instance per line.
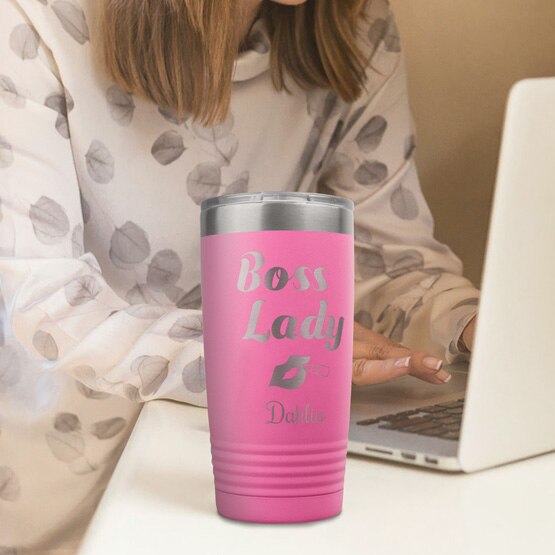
(378,359)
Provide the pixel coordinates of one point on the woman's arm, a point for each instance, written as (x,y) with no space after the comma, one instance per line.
(59,306)
(409,286)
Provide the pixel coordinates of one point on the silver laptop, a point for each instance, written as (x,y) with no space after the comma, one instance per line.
(501,406)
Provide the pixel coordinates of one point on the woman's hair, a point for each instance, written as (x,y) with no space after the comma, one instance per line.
(180,53)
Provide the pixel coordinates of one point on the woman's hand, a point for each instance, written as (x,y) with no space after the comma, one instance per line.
(377,359)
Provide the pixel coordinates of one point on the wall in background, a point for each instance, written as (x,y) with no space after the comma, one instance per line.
(462,59)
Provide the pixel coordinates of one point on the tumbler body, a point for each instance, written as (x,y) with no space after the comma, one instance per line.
(277,286)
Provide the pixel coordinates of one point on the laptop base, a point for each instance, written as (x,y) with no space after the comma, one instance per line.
(436,462)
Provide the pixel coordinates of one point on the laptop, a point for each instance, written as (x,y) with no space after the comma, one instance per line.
(500,406)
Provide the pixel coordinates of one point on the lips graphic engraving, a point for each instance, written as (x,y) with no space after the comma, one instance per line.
(281,369)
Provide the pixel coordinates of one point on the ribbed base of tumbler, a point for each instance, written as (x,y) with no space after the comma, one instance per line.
(252,508)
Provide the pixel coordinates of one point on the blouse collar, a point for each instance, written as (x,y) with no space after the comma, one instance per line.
(255,59)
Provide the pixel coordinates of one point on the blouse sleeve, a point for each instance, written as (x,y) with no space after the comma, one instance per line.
(409,286)
(59,307)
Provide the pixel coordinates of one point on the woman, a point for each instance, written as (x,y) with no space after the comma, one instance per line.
(117,119)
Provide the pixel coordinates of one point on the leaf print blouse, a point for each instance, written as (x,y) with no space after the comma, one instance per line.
(99,241)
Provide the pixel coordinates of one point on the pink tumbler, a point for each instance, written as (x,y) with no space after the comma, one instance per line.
(277,288)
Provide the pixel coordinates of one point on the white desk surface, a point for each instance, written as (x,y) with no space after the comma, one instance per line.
(161,500)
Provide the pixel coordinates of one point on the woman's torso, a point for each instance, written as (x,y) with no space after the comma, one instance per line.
(141,175)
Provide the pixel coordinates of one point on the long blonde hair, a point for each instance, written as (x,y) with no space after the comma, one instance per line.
(180,53)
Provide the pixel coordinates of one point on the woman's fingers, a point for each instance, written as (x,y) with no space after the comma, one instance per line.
(428,368)
(377,359)
(375,346)
(366,371)
(378,371)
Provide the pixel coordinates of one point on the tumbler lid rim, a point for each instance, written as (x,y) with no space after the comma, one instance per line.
(277,196)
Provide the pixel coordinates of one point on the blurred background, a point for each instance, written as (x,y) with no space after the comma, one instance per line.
(463,57)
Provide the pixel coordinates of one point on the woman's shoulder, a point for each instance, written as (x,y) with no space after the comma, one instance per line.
(377,8)
(51,21)
(378,27)
(48,43)
(379,41)
(58,31)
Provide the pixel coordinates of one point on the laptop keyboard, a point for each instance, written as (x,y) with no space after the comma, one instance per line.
(440,420)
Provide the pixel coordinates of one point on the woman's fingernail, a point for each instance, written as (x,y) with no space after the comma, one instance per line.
(444,376)
(432,362)
(401,362)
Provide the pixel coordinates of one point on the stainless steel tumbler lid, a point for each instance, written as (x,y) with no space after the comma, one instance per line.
(276,210)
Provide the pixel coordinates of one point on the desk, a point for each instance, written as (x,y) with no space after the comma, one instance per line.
(161,500)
